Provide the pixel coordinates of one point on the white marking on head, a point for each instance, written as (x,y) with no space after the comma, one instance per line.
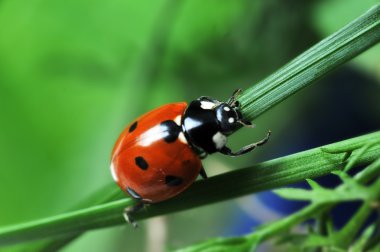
(177,120)
(219,140)
(113,172)
(182,138)
(226,108)
(207,104)
(231,120)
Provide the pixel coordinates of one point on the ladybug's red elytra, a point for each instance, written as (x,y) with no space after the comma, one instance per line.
(159,154)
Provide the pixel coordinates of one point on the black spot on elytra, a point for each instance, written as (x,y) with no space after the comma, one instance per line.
(172,130)
(141,162)
(173,180)
(133,127)
(133,193)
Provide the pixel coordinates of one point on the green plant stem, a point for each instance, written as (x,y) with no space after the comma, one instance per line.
(289,221)
(347,234)
(343,238)
(263,176)
(69,223)
(328,54)
(104,194)
(369,173)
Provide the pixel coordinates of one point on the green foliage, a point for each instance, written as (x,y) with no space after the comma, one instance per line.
(262,176)
(343,45)
(73,73)
(238,244)
(322,200)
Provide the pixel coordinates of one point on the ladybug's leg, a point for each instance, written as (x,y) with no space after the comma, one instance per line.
(246,123)
(203,173)
(129,211)
(227,151)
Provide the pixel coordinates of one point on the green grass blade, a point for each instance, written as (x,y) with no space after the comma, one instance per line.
(319,60)
(264,176)
(103,195)
(69,223)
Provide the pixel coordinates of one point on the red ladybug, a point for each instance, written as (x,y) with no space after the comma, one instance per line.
(159,154)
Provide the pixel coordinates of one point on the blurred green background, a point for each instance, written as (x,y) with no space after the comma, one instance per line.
(73,74)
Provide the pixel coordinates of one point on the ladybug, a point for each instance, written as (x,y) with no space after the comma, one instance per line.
(159,154)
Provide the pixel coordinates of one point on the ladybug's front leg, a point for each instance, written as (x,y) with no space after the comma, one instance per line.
(129,211)
(227,151)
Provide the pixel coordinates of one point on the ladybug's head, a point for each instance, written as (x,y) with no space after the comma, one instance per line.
(229,117)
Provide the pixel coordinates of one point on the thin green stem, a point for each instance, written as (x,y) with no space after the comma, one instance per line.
(319,60)
(263,176)
(104,194)
(284,224)
(369,173)
(351,163)
(67,223)
(343,238)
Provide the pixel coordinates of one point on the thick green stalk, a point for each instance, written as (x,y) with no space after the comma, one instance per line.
(319,60)
(264,176)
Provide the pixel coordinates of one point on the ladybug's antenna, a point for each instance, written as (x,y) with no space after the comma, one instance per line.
(233,102)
